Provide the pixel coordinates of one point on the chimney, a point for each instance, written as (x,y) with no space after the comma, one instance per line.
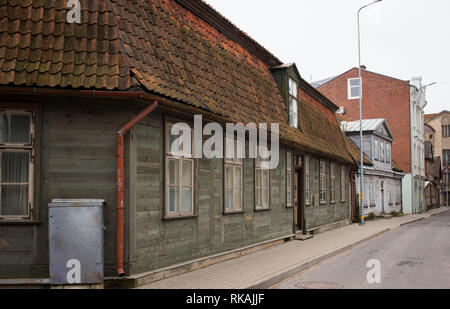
(363,67)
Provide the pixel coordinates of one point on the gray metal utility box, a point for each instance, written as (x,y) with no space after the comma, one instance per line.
(76,241)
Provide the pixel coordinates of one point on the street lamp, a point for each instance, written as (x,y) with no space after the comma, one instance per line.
(361,194)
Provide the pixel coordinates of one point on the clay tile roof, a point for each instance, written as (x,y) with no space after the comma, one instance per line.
(164,46)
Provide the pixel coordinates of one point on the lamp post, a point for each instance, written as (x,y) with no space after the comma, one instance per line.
(361,194)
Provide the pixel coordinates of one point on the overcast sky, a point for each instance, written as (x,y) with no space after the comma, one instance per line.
(400,38)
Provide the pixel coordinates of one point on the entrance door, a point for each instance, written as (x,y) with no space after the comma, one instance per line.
(382,196)
(298,193)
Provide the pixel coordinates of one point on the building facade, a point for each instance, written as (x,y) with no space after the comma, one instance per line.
(83,97)
(401,104)
(441,145)
(382,182)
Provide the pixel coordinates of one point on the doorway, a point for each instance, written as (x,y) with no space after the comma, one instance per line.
(382,196)
(299,210)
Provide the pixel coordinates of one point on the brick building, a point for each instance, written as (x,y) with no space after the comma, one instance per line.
(401,104)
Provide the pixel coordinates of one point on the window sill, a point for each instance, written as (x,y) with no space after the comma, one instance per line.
(237,212)
(19,222)
(179,218)
(333,202)
(323,203)
(262,209)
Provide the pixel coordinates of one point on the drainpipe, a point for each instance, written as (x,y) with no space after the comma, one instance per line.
(120,179)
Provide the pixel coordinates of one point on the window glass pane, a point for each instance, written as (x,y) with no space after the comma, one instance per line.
(354,92)
(265,197)
(293,112)
(172,199)
(228,176)
(258,177)
(187,200)
(15,167)
(187,173)
(237,199)
(238,175)
(228,199)
(265,177)
(172,171)
(14,200)
(354,82)
(293,88)
(289,160)
(15,128)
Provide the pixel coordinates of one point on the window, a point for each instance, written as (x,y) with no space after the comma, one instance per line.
(388,153)
(353,88)
(262,183)
(343,183)
(17,163)
(372,194)
(293,103)
(323,182)
(233,182)
(398,195)
(332,183)
(382,151)
(289,179)
(307,182)
(446,131)
(179,174)
(377,150)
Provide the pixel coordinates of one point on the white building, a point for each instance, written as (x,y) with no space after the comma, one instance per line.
(413,184)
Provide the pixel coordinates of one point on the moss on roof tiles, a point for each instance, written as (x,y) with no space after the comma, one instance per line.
(170,50)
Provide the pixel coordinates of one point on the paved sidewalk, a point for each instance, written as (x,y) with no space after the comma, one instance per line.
(267,267)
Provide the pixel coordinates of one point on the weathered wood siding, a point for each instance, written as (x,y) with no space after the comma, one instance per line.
(157,243)
(78,160)
(317,214)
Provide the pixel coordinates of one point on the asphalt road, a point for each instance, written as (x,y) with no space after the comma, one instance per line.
(414,256)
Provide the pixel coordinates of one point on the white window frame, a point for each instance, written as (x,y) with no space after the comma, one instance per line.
(262,168)
(333,183)
(293,102)
(388,153)
(289,177)
(235,164)
(350,87)
(323,182)
(18,147)
(377,149)
(180,157)
(307,181)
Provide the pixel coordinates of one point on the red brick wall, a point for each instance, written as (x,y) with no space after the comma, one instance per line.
(383,97)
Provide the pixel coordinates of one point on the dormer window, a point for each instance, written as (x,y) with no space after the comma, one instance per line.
(293,103)
(354,91)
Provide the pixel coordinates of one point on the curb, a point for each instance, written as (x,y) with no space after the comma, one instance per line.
(412,221)
(438,213)
(276,278)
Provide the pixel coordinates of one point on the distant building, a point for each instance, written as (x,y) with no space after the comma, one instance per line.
(440,123)
(382,179)
(401,104)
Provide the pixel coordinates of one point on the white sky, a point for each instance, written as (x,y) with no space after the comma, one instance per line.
(400,38)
